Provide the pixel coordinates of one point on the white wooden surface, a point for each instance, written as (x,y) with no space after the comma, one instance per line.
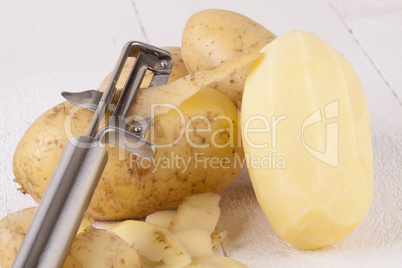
(49,46)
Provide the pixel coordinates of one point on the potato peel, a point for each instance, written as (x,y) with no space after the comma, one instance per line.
(152,101)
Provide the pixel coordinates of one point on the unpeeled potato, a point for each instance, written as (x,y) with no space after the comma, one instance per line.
(97,248)
(198,147)
(133,187)
(212,37)
(194,127)
(12,232)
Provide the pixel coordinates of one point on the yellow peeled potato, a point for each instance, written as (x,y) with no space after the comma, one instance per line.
(177,71)
(306,135)
(214,36)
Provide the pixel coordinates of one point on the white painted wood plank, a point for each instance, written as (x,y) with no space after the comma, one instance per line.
(54,46)
(377,27)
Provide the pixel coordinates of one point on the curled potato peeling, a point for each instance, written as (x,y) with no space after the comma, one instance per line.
(178,91)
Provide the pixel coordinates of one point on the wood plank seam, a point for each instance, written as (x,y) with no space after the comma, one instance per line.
(138,17)
(365,53)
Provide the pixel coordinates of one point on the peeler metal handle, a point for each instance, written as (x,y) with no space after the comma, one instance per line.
(60,212)
(67,196)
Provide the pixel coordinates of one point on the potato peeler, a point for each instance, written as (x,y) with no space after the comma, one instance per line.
(60,212)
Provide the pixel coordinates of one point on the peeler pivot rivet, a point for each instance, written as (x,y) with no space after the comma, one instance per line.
(111,107)
(163,64)
(137,129)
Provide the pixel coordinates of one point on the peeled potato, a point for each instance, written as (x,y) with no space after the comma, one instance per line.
(306,131)
(214,36)
(177,71)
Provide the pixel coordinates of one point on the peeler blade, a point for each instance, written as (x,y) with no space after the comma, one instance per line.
(88,99)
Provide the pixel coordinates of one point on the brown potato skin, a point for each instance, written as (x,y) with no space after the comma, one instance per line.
(91,247)
(98,248)
(127,190)
(213,36)
(10,241)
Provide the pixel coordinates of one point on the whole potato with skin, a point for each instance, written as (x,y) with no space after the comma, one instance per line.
(213,36)
(97,248)
(11,237)
(12,232)
(177,71)
(131,188)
